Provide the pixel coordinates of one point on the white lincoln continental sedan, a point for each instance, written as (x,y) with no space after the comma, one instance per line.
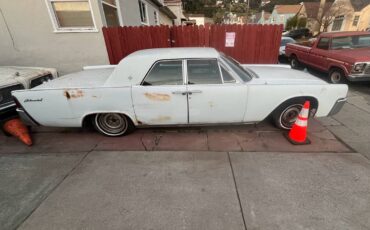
(177,87)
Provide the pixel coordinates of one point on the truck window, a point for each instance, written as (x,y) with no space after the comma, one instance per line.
(323,44)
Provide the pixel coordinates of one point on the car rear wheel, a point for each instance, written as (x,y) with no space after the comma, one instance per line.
(336,76)
(112,124)
(286,114)
(294,63)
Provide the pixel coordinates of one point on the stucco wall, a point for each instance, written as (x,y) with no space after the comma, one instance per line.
(35,43)
(164,20)
(131,12)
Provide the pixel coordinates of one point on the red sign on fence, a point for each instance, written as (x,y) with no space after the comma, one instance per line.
(246,43)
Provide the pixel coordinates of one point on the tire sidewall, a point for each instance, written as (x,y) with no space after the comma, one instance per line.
(341,74)
(102,131)
(294,63)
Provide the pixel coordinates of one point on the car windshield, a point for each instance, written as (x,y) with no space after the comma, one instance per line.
(237,68)
(285,41)
(351,42)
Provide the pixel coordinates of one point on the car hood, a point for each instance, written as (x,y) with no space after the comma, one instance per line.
(353,55)
(282,74)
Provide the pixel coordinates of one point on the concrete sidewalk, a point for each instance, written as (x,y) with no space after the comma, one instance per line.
(195,190)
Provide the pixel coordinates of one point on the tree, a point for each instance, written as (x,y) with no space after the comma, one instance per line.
(302,22)
(329,14)
(291,23)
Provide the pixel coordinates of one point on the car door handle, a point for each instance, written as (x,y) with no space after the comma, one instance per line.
(180,92)
(194,91)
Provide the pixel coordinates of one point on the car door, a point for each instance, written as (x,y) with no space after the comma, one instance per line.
(214,95)
(161,98)
(318,57)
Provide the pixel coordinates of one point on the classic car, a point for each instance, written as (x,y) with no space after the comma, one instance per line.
(343,55)
(177,87)
(14,78)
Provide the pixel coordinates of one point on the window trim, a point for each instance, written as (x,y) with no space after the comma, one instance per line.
(146,13)
(195,59)
(163,60)
(354,20)
(329,43)
(117,6)
(55,24)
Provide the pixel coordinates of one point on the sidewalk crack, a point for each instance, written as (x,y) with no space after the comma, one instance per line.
(237,191)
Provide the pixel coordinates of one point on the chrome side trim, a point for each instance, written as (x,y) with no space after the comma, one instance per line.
(27,120)
(337,106)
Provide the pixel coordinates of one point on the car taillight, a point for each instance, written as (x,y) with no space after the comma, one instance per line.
(19,106)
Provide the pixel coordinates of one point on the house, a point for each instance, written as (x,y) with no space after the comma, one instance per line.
(310,10)
(264,17)
(68,35)
(282,13)
(351,15)
(177,8)
(231,18)
(198,19)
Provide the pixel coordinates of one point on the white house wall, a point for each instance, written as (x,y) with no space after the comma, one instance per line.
(36,43)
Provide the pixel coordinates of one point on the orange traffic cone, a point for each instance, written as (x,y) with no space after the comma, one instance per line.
(298,134)
(16,128)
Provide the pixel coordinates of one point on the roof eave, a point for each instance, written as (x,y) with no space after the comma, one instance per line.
(157,3)
(168,12)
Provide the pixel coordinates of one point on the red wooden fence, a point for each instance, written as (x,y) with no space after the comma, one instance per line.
(253,43)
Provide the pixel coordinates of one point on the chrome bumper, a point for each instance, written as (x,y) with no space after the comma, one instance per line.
(337,106)
(27,120)
(359,77)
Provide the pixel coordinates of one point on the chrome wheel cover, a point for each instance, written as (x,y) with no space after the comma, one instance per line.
(289,115)
(112,124)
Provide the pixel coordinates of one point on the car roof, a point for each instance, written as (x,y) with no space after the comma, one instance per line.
(344,33)
(132,69)
(176,53)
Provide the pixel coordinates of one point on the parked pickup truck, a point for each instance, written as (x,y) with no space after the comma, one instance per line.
(343,55)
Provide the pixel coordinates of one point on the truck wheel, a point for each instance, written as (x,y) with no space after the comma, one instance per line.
(286,114)
(294,63)
(112,124)
(336,76)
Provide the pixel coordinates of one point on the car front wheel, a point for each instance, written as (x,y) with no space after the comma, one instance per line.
(112,124)
(286,114)
(336,76)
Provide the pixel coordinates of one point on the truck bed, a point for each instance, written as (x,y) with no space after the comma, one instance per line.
(83,79)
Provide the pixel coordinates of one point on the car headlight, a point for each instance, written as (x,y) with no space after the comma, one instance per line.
(359,68)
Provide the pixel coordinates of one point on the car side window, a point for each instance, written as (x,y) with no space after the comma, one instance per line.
(226,76)
(323,44)
(203,72)
(165,73)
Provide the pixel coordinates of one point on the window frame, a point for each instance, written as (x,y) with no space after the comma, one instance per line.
(329,43)
(164,60)
(146,12)
(117,6)
(356,20)
(336,19)
(202,59)
(58,29)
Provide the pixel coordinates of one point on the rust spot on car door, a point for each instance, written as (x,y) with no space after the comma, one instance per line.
(73,94)
(157,96)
